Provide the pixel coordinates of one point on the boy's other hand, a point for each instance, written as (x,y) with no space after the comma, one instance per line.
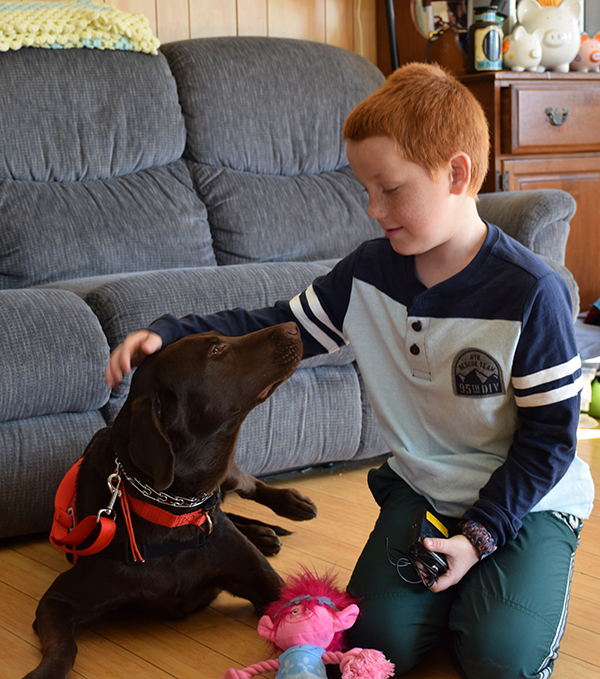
(460,554)
(131,353)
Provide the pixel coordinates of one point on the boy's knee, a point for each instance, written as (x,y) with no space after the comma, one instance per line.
(505,650)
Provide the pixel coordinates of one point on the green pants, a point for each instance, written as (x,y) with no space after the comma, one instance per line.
(506,616)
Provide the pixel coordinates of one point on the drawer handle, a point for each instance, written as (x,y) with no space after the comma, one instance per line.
(556,117)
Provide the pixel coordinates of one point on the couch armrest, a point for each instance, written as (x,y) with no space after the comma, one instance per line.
(573,287)
(540,221)
(537,219)
(52,355)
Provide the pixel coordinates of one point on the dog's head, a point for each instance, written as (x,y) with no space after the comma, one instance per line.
(187,402)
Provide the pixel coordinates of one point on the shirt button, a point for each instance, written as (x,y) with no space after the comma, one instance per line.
(414,350)
(417,326)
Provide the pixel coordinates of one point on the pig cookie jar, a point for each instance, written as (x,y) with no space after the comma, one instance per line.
(561,40)
(588,58)
(522,51)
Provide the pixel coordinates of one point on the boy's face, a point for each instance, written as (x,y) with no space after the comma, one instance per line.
(414,211)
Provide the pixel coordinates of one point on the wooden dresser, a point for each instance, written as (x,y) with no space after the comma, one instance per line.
(545,133)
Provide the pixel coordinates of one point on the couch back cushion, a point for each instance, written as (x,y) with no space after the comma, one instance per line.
(91,176)
(264,118)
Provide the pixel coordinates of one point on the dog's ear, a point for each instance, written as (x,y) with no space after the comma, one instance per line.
(149,446)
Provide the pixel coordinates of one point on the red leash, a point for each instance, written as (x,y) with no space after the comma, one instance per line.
(67,533)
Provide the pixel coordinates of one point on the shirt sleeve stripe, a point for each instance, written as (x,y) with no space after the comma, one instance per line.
(319,312)
(548,375)
(313,329)
(547,398)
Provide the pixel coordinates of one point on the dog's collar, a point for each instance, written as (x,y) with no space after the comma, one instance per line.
(161,497)
(68,533)
(123,551)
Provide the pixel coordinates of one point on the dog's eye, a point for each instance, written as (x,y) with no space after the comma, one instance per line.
(218,349)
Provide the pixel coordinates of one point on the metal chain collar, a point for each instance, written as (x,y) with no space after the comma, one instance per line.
(160,496)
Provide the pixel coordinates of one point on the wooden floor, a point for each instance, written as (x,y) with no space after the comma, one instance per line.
(223,636)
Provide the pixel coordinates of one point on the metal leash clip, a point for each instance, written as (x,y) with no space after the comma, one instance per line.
(114,484)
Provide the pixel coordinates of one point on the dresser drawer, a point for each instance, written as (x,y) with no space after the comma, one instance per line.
(550,117)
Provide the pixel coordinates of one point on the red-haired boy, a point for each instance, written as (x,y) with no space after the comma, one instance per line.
(465,342)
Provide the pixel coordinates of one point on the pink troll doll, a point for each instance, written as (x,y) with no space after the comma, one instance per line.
(307,623)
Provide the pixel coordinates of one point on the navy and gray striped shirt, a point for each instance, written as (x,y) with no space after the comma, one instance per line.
(475,381)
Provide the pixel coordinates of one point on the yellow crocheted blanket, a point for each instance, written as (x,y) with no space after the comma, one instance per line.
(73,23)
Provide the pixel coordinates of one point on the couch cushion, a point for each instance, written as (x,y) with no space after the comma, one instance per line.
(91,176)
(264,119)
(81,114)
(52,355)
(133,302)
(264,218)
(313,418)
(268,105)
(53,231)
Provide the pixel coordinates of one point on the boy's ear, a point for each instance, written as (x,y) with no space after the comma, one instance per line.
(460,167)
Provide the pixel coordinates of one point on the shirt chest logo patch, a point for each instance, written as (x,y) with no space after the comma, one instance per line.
(476,374)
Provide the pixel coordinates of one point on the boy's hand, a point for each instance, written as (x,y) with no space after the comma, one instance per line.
(131,353)
(460,554)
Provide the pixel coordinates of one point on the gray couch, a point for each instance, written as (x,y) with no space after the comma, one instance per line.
(210,176)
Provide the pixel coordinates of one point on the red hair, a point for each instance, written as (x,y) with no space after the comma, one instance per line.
(309,590)
(430,115)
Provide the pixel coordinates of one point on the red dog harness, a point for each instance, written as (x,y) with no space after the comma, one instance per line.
(68,533)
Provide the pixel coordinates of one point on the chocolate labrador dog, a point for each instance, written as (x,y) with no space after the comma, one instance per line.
(166,460)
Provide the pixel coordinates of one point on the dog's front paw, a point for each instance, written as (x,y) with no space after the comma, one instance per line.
(263,537)
(293,505)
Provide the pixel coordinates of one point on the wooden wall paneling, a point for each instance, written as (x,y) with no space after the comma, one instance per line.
(173,20)
(252,17)
(365,31)
(339,23)
(334,22)
(209,18)
(146,7)
(303,19)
